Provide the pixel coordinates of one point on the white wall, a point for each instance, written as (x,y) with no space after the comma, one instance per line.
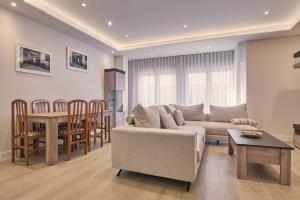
(67,84)
(121,62)
(273,85)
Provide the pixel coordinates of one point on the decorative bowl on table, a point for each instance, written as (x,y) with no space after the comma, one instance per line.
(251,134)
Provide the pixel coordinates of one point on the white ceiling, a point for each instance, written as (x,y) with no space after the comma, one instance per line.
(204,46)
(155,27)
(149,23)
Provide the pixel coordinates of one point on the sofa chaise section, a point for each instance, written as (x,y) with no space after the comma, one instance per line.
(218,130)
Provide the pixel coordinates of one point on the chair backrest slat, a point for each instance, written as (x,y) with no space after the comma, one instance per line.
(77,111)
(20,117)
(95,117)
(105,104)
(40,106)
(60,105)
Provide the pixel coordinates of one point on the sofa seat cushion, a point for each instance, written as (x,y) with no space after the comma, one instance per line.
(200,130)
(218,128)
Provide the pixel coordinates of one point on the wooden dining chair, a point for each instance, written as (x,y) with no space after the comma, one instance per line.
(40,106)
(77,126)
(95,119)
(21,138)
(105,125)
(60,105)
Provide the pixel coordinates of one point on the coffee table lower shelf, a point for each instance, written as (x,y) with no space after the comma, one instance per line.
(265,155)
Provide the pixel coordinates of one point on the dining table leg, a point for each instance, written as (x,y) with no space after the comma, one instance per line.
(109,128)
(51,141)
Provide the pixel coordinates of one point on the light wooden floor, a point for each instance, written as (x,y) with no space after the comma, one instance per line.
(91,177)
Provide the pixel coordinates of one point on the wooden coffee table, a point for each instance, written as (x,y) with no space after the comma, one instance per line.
(266,149)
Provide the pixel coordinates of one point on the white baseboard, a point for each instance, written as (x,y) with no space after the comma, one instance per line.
(4,156)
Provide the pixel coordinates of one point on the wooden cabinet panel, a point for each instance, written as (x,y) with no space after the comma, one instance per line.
(109,80)
(114,79)
(114,85)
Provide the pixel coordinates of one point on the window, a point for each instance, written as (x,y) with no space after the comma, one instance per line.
(209,78)
(167,88)
(165,84)
(146,90)
(196,88)
(210,88)
(222,92)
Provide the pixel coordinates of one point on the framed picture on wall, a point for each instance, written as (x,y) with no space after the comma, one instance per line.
(77,60)
(297,59)
(33,60)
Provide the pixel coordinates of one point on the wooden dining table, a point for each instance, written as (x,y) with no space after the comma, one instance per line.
(51,121)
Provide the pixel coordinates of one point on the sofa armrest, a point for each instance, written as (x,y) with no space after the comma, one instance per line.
(160,152)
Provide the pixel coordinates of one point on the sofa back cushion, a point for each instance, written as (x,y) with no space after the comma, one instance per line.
(192,113)
(225,114)
(147,117)
(168,121)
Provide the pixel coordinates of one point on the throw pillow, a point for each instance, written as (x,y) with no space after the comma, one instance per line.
(225,114)
(130,119)
(243,121)
(170,109)
(147,117)
(162,110)
(192,113)
(178,116)
(168,121)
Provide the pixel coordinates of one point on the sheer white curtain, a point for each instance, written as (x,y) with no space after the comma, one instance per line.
(152,81)
(209,78)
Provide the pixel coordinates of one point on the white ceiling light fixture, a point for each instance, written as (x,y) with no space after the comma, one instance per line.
(126,35)
(13,4)
(83,5)
(109,23)
(266,12)
(185,26)
(113,52)
(208,47)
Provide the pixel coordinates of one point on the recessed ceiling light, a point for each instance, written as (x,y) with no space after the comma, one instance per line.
(266,12)
(13,4)
(208,47)
(185,26)
(126,35)
(113,52)
(83,4)
(109,23)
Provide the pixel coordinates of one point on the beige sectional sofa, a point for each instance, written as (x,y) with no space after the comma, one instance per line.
(170,153)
